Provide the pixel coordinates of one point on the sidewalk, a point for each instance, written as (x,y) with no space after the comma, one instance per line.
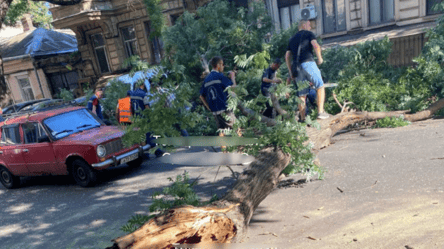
(383,189)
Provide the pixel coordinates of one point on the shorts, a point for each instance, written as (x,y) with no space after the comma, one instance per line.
(309,73)
(222,123)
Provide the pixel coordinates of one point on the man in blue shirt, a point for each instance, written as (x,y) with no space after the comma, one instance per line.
(139,102)
(94,103)
(268,79)
(213,95)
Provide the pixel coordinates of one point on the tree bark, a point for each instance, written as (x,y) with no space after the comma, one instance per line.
(226,220)
(223,221)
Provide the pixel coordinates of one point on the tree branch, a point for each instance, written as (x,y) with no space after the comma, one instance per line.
(276,105)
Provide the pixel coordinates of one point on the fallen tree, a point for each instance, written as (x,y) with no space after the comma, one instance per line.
(226,220)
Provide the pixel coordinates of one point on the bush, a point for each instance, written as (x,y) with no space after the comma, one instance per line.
(66,95)
(115,91)
(391,122)
(180,193)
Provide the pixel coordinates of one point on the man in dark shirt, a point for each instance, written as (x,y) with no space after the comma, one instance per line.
(94,103)
(213,95)
(140,102)
(268,79)
(306,40)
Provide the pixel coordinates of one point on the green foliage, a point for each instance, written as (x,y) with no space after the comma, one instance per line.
(114,91)
(135,64)
(206,125)
(88,95)
(180,193)
(335,60)
(157,19)
(279,42)
(66,95)
(288,134)
(365,78)
(135,222)
(38,10)
(392,122)
(216,29)
(161,119)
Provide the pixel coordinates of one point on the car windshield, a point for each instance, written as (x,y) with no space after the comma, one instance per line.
(68,123)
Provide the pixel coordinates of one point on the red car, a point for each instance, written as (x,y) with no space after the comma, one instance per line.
(60,142)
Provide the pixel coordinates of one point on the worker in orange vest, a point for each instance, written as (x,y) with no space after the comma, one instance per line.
(123,110)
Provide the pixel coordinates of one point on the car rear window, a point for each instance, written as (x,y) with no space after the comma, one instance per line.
(10,135)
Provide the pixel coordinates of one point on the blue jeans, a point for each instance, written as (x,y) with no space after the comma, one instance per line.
(309,73)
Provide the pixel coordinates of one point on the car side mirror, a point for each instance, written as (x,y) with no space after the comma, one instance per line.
(43,138)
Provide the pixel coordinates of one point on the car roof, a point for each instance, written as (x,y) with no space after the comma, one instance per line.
(29,117)
(23,104)
(34,105)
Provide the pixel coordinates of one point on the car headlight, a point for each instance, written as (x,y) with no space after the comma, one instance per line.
(101,151)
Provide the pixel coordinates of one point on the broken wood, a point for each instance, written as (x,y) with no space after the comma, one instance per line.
(226,220)
(223,221)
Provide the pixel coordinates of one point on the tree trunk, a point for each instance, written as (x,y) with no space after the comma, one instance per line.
(226,220)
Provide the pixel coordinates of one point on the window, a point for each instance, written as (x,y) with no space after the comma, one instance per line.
(68,123)
(430,5)
(289,12)
(156,45)
(31,132)
(99,48)
(381,11)
(25,89)
(333,15)
(129,41)
(10,135)
(59,81)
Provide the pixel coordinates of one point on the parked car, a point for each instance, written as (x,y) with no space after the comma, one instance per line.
(44,105)
(62,141)
(17,107)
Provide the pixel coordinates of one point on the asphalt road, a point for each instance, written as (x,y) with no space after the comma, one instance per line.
(55,213)
(383,189)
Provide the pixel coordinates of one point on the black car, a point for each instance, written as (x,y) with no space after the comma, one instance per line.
(44,105)
(19,106)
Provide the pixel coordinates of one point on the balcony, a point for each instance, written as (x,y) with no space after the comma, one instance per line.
(59,12)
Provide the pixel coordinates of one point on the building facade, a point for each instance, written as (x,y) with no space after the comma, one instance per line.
(110,31)
(38,63)
(341,17)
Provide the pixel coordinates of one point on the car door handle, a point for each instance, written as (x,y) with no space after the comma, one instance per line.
(25,150)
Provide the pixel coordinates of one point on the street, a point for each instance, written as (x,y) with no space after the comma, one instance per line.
(52,212)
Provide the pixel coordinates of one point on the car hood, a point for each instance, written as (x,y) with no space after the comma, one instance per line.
(94,136)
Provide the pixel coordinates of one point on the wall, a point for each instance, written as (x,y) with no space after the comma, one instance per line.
(25,68)
(357,15)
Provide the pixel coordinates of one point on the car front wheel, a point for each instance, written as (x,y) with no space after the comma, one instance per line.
(83,174)
(8,180)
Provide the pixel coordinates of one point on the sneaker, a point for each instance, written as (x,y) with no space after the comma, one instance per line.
(161,153)
(323,115)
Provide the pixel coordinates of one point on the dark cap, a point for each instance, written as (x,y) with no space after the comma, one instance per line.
(277,61)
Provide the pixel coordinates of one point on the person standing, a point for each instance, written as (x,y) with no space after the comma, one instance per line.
(214,96)
(94,103)
(269,79)
(140,102)
(301,47)
(123,110)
